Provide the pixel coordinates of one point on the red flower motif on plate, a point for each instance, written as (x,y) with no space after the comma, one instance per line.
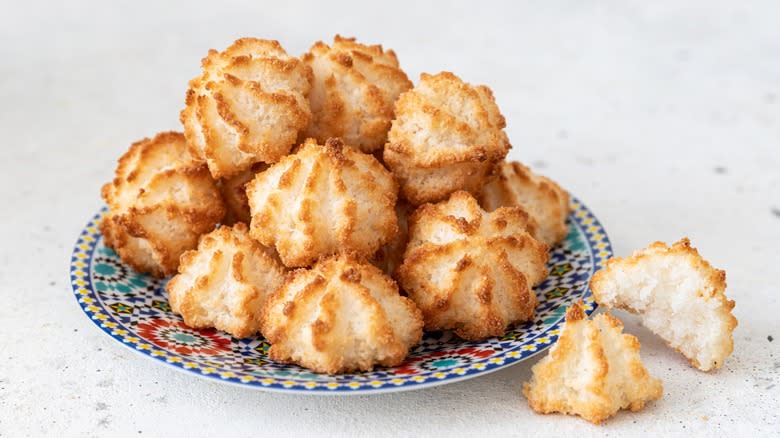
(177,337)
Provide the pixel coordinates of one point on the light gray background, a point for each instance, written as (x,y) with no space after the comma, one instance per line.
(664,119)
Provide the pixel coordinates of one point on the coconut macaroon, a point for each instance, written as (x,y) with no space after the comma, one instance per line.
(540,196)
(161,200)
(353,92)
(233,190)
(225,282)
(593,371)
(679,297)
(322,200)
(447,135)
(341,315)
(247,106)
(469,270)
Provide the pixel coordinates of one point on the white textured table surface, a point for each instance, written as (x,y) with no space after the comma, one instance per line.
(665,120)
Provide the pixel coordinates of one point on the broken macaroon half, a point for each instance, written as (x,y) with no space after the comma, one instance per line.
(678,295)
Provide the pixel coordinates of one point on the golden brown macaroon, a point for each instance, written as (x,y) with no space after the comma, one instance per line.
(233,190)
(541,197)
(161,200)
(322,200)
(447,135)
(469,270)
(593,371)
(247,106)
(341,315)
(679,296)
(225,282)
(354,89)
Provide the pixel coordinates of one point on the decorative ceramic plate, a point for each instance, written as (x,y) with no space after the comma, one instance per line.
(133,309)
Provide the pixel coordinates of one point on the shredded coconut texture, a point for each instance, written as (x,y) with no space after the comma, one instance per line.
(678,295)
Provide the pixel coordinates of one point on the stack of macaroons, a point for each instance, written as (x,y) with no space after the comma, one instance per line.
(318,185)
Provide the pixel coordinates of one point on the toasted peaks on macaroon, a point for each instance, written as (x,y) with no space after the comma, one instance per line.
(354,89)
(341,315)
(469,270)
(678,295)
(322,200)
(541,197)
(247,106)
(447,135)
(161,200)
(593,371)
(225,282)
